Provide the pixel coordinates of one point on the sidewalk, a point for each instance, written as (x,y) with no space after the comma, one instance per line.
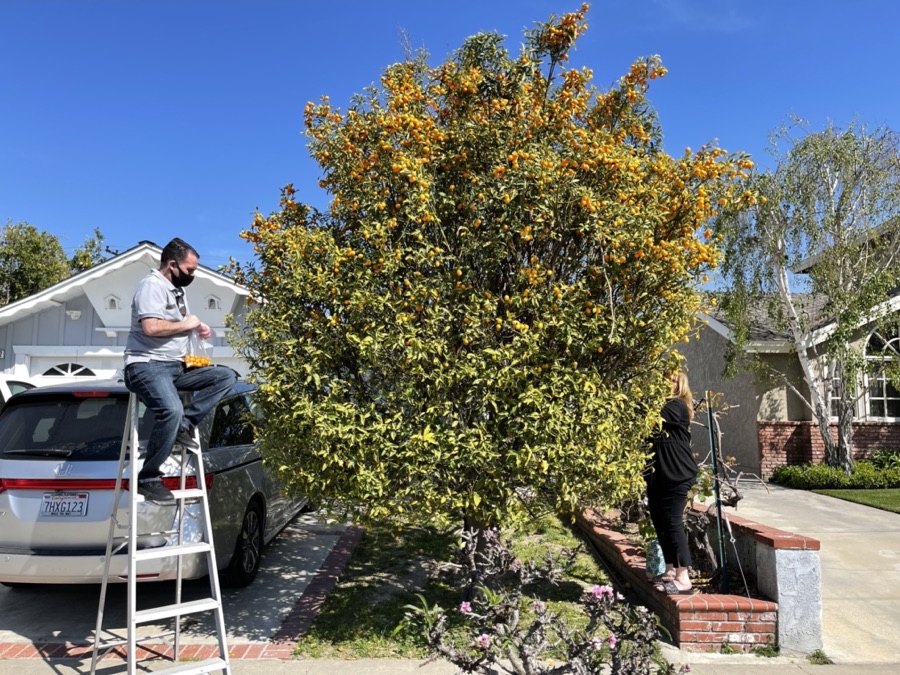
(711,664)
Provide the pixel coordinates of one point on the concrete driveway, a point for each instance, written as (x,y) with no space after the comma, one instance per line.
(860,562)
(49,615)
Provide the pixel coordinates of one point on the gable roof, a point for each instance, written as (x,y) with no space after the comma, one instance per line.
(764,336)
(146,252)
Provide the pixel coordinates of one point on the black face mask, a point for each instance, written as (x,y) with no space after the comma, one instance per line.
(182,279)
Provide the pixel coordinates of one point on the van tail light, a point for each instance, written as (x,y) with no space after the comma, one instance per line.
(58,484)
(171,482)
(190,482)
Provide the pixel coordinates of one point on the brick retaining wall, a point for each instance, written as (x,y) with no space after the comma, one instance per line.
(697,623)
(787,443)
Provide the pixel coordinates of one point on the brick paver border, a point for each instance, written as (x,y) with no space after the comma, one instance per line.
(281,645)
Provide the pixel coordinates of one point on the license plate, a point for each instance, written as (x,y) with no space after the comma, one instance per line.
(67,504)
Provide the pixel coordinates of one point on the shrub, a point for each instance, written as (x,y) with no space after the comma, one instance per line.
(886,458)
(809,476)
(504,624)
(866,475)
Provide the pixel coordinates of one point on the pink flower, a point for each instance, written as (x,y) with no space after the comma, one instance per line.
(596,643)
(465,607)
(483,641)
(612,640)
(602,592)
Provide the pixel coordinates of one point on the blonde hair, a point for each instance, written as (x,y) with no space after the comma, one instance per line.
(681,388)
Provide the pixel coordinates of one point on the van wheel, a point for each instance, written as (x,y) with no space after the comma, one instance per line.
(244,565)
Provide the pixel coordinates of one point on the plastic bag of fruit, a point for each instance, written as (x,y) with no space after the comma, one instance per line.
(197,355)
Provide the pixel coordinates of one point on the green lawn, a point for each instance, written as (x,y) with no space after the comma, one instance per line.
(389,568)
(887,500)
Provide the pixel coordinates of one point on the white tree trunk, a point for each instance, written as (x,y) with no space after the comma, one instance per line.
(818,386)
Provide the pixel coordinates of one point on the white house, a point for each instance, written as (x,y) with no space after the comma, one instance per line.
(78,327)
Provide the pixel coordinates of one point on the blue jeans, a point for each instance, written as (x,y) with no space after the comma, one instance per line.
(157,384)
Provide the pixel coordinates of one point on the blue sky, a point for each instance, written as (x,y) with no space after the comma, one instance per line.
(159,118)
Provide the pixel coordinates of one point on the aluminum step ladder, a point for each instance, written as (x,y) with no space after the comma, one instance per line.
(107,640)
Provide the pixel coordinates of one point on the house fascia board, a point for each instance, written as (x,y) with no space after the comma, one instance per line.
(716,325)
(889,306)
(863,237)
(58,293)
(769,347)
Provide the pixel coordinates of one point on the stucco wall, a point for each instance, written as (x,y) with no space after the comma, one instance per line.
(778,401)
(705,361)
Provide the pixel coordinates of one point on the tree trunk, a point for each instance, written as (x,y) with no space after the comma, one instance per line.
(474,528)
(832,453)
(843,453)
(819,386)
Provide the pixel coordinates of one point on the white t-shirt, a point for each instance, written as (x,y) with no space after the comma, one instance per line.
(155,298)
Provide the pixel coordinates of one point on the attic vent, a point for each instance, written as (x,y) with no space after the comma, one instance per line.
(112,302)
(212,302)
(69,370)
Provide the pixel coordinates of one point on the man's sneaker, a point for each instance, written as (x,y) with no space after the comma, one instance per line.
(186,438)
(154,491)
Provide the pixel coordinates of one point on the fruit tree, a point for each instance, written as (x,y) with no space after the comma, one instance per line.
(484,312)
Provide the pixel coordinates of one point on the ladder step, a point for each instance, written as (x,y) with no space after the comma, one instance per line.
(190,493)
(195,667)
(172,551)
(111,643)
(158,533)
(180,609)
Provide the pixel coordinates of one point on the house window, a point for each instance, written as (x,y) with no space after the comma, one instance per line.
(882,397)
(834,396)
(212,302)
(69,370)
(112,302)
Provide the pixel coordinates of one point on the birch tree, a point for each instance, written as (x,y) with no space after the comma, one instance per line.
(818,252)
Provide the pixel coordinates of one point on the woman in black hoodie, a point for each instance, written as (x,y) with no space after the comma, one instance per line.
(673,471)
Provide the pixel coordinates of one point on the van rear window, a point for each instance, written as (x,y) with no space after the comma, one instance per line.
(63,427)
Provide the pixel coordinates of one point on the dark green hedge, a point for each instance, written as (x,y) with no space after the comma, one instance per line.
(866,475)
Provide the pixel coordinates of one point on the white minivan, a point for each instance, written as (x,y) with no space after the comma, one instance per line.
(59,453)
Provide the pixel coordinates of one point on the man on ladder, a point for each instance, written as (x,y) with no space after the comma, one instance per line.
(156,373)
(155,367)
